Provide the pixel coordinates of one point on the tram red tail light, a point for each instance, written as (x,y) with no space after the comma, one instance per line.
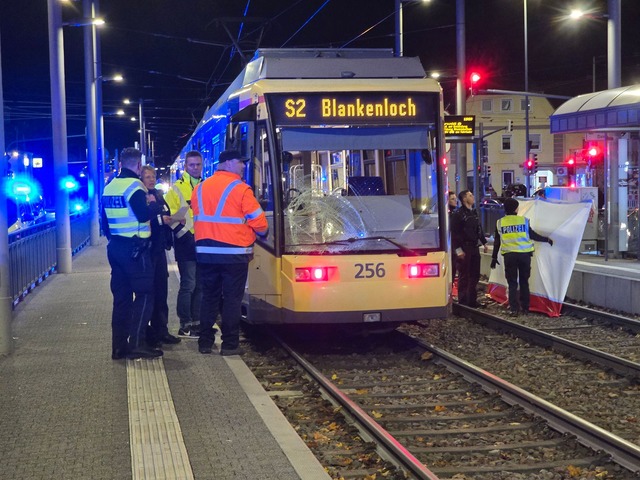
(312,274)
(423,270)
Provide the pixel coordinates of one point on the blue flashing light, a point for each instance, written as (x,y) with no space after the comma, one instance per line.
(22,186)
(69,183)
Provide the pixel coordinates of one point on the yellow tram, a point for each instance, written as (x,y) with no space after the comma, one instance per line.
(345,147)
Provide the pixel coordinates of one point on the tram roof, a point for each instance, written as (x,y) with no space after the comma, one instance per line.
(330,63)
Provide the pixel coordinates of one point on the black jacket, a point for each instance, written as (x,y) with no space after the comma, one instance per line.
(466,229)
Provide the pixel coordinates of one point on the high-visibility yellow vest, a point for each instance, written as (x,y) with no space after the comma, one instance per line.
(179,196)
(120,217)
(514,234)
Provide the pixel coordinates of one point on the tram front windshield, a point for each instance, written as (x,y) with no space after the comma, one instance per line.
(360,200)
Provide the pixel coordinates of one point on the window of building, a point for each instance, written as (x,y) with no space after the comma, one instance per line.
(506,105)
(487,106)
(534,141)
(523,105)
(506,143)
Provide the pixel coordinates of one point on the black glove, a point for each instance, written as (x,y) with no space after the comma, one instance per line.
(550,242)
(494,262)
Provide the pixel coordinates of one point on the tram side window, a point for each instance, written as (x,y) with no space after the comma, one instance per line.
(262,179)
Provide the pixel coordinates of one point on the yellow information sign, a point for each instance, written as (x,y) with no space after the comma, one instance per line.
(459,125)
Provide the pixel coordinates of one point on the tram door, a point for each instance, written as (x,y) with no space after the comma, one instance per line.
(396,174)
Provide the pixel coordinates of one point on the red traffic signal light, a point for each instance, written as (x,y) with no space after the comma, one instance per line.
(475,78)
(571,161)
(594,151)
(528,164)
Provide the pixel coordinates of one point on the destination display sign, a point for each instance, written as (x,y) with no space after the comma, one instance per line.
(459,125)
(359,108)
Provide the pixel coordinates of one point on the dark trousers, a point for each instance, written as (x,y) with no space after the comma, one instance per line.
(469,275)
(158,326)
(132,289)
(189,294)
(517,269)
(219,280)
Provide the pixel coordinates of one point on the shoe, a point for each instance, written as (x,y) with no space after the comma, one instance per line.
(513,314)
(170,339)
(187,332)
(118,354)
(204,350)
(144,353)
(229,352)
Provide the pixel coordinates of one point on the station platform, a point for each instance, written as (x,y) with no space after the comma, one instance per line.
(70,411)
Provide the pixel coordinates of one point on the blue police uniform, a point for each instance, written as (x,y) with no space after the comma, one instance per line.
(126,223)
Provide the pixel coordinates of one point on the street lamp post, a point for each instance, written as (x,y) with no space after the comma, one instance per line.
(59,130)
(527,147)
(6,342)
(91,79)
(143,147)
(399,47)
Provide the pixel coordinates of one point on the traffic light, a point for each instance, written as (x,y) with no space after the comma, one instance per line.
(535,162)
(474,78)
(528,165)
(488,170)
(485,151)
(593,153)
(571,171)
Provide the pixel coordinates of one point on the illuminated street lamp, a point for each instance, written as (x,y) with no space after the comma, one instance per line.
(399,29)
(613,38)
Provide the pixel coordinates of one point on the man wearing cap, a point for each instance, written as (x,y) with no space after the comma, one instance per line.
(227,218)
(513,239)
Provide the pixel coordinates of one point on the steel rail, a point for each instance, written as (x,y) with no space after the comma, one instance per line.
(592,314)
(623,452)
(619,365)
(392,447)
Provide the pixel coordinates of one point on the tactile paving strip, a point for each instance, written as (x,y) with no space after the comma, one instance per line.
(157,446)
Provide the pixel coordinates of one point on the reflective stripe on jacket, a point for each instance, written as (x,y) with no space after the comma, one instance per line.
(514,234)
(120,217)
(226,216)
(179,196)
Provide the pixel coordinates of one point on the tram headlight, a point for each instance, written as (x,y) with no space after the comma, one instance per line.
(423,270)
(312,274)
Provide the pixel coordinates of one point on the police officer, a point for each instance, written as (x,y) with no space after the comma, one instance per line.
(189,293)
(227,218)
(161,241)
(513,239)
(126,214)
(466,235)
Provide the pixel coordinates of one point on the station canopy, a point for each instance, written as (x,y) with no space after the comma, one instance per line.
(617,109)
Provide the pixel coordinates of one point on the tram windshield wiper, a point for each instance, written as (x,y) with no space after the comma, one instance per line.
(405,251)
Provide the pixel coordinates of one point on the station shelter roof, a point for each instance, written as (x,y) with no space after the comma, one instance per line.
(617,109)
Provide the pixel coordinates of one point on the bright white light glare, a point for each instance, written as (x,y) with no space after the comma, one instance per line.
(25,160)
(575,14)
(120,112)
(414,270)
(98,21)
(134,119)
(15,154)
(318,273)
(435,74)
(126,101)
(118,78)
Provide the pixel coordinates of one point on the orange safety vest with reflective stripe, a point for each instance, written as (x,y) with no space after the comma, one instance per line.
(226,217)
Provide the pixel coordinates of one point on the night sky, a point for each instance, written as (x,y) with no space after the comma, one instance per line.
(178,58)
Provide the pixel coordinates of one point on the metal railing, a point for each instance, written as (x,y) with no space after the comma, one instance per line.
(32,253)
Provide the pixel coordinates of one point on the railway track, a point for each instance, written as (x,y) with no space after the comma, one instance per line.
(416,404)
